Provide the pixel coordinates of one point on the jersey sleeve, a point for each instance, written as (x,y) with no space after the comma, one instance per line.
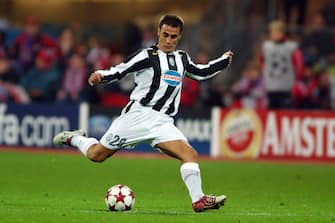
(136,62)
(204,71)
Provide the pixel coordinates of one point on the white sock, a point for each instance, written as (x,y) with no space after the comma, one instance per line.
(190,174)
(83,143)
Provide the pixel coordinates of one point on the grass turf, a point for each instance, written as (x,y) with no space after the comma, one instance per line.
(68,188)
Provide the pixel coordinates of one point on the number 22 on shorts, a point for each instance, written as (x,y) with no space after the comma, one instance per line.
(117,141)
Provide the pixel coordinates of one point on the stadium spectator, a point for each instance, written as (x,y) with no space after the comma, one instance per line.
(331,71)
(103,59)
(7,72)
(300,92)
(132,39)
(3,46)
(29,43)
(13,93)
(210,93)
(190,94)
(299,6)
(331,65)
(10,91)
(249,91)
(318,42)
(320,91)
(148,36)
(67,46)
(42,81)
(74,80)
(327,11)
(93,52)
(281,63)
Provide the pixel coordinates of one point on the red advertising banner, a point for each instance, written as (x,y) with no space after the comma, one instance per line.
(298,135)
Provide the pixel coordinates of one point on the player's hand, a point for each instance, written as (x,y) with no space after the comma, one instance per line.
(95,78)
(230,56)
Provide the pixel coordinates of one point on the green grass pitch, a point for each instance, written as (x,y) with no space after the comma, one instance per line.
(44,187)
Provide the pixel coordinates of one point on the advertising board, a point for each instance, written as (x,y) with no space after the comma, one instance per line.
(283,134)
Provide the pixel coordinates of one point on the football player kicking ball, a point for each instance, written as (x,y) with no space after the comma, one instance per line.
(148,116)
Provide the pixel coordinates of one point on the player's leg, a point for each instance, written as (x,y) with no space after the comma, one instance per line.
(131,127)
(190,173)
(89,147)
(189,168)
(179,149)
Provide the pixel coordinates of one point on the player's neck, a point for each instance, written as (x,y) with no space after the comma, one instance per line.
(163,49)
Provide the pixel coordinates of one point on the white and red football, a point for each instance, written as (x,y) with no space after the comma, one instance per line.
(120,198)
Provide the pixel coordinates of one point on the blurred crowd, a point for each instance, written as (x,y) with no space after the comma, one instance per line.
(294,69)
(36,66)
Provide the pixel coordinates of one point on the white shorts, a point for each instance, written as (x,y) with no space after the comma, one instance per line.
(140,124)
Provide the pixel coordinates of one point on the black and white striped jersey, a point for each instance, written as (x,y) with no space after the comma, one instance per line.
(159,75)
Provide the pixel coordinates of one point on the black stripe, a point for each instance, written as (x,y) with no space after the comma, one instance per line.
(140,65)
(129,106)
(172,66)
(160,103)
(171,108)
(156,79)
(184,59)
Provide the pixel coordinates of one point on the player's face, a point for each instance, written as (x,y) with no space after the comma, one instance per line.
(168,37)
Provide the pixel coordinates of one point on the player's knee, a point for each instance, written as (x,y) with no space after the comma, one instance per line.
(190,156)
(194,155)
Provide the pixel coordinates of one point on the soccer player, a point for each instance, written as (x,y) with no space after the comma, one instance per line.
(148,116)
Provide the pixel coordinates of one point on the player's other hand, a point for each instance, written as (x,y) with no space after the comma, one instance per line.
(230,56)
(95,78)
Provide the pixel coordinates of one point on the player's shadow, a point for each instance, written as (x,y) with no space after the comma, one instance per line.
(140,212)
(145,212)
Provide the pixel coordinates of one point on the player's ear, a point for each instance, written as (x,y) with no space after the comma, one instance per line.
(158,31)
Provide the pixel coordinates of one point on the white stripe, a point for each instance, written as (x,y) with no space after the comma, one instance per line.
(204,66)
(201,78)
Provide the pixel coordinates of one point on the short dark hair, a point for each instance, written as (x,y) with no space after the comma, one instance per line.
(172,20)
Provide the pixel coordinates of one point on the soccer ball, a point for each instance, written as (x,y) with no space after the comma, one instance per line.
(119,198)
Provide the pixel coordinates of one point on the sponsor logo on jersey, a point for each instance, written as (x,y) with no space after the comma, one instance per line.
(241,134)
(172,77)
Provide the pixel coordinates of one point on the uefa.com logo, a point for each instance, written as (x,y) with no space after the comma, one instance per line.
(240,134)
(172,77)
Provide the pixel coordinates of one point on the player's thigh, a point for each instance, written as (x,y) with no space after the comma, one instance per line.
(127,130)
(179,149)
(99,152)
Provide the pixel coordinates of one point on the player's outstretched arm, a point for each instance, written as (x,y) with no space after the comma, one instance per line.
(136,62)
(207,71)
